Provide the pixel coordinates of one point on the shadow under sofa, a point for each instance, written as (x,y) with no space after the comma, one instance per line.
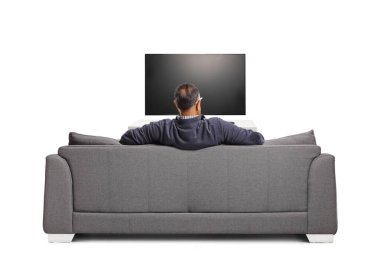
(153,189)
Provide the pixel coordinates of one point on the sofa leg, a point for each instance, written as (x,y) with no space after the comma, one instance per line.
(320,237)
(60,237)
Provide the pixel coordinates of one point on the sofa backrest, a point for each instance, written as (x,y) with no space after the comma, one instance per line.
(153,178)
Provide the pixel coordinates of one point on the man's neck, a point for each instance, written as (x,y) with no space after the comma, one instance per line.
(191,113)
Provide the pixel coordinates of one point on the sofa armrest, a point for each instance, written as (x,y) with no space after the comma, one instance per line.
(58,199)
(322,206)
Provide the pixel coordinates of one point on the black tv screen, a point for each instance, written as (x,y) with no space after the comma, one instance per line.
(219,77)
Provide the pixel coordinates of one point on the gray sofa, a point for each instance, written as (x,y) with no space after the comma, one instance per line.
(152,189)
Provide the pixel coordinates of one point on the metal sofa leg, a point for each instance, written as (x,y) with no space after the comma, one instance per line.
(60,237)
(320,237)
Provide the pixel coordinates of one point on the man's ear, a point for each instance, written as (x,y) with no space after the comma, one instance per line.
(198,105)
(176,107)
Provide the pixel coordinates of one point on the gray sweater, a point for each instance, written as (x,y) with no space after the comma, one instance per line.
(191,134)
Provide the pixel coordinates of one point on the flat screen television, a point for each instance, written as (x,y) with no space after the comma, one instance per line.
(219,77)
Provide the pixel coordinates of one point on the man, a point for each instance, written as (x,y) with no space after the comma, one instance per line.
(190,129)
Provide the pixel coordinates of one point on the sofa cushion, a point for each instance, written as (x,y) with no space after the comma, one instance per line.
(306,138)
(82,139)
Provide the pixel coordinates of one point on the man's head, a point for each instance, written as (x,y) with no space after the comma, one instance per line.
(187,99)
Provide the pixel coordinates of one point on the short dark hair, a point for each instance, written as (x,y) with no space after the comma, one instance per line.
(186,95)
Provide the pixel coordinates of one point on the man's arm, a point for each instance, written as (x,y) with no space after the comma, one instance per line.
(147,134)
(234,135)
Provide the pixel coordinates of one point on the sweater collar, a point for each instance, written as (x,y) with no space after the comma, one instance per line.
(189,121)
(186,116)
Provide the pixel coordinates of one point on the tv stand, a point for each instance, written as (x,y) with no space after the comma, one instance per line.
(238,121)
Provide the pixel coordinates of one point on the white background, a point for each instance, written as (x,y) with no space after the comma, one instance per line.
(79,66)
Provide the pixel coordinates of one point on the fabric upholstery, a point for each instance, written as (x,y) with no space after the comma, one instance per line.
(322,204)
(191,223)
(82,139)
(58,200)
(306,138)
(153,178)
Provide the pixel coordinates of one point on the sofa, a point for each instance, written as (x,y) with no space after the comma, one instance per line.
(153,189)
